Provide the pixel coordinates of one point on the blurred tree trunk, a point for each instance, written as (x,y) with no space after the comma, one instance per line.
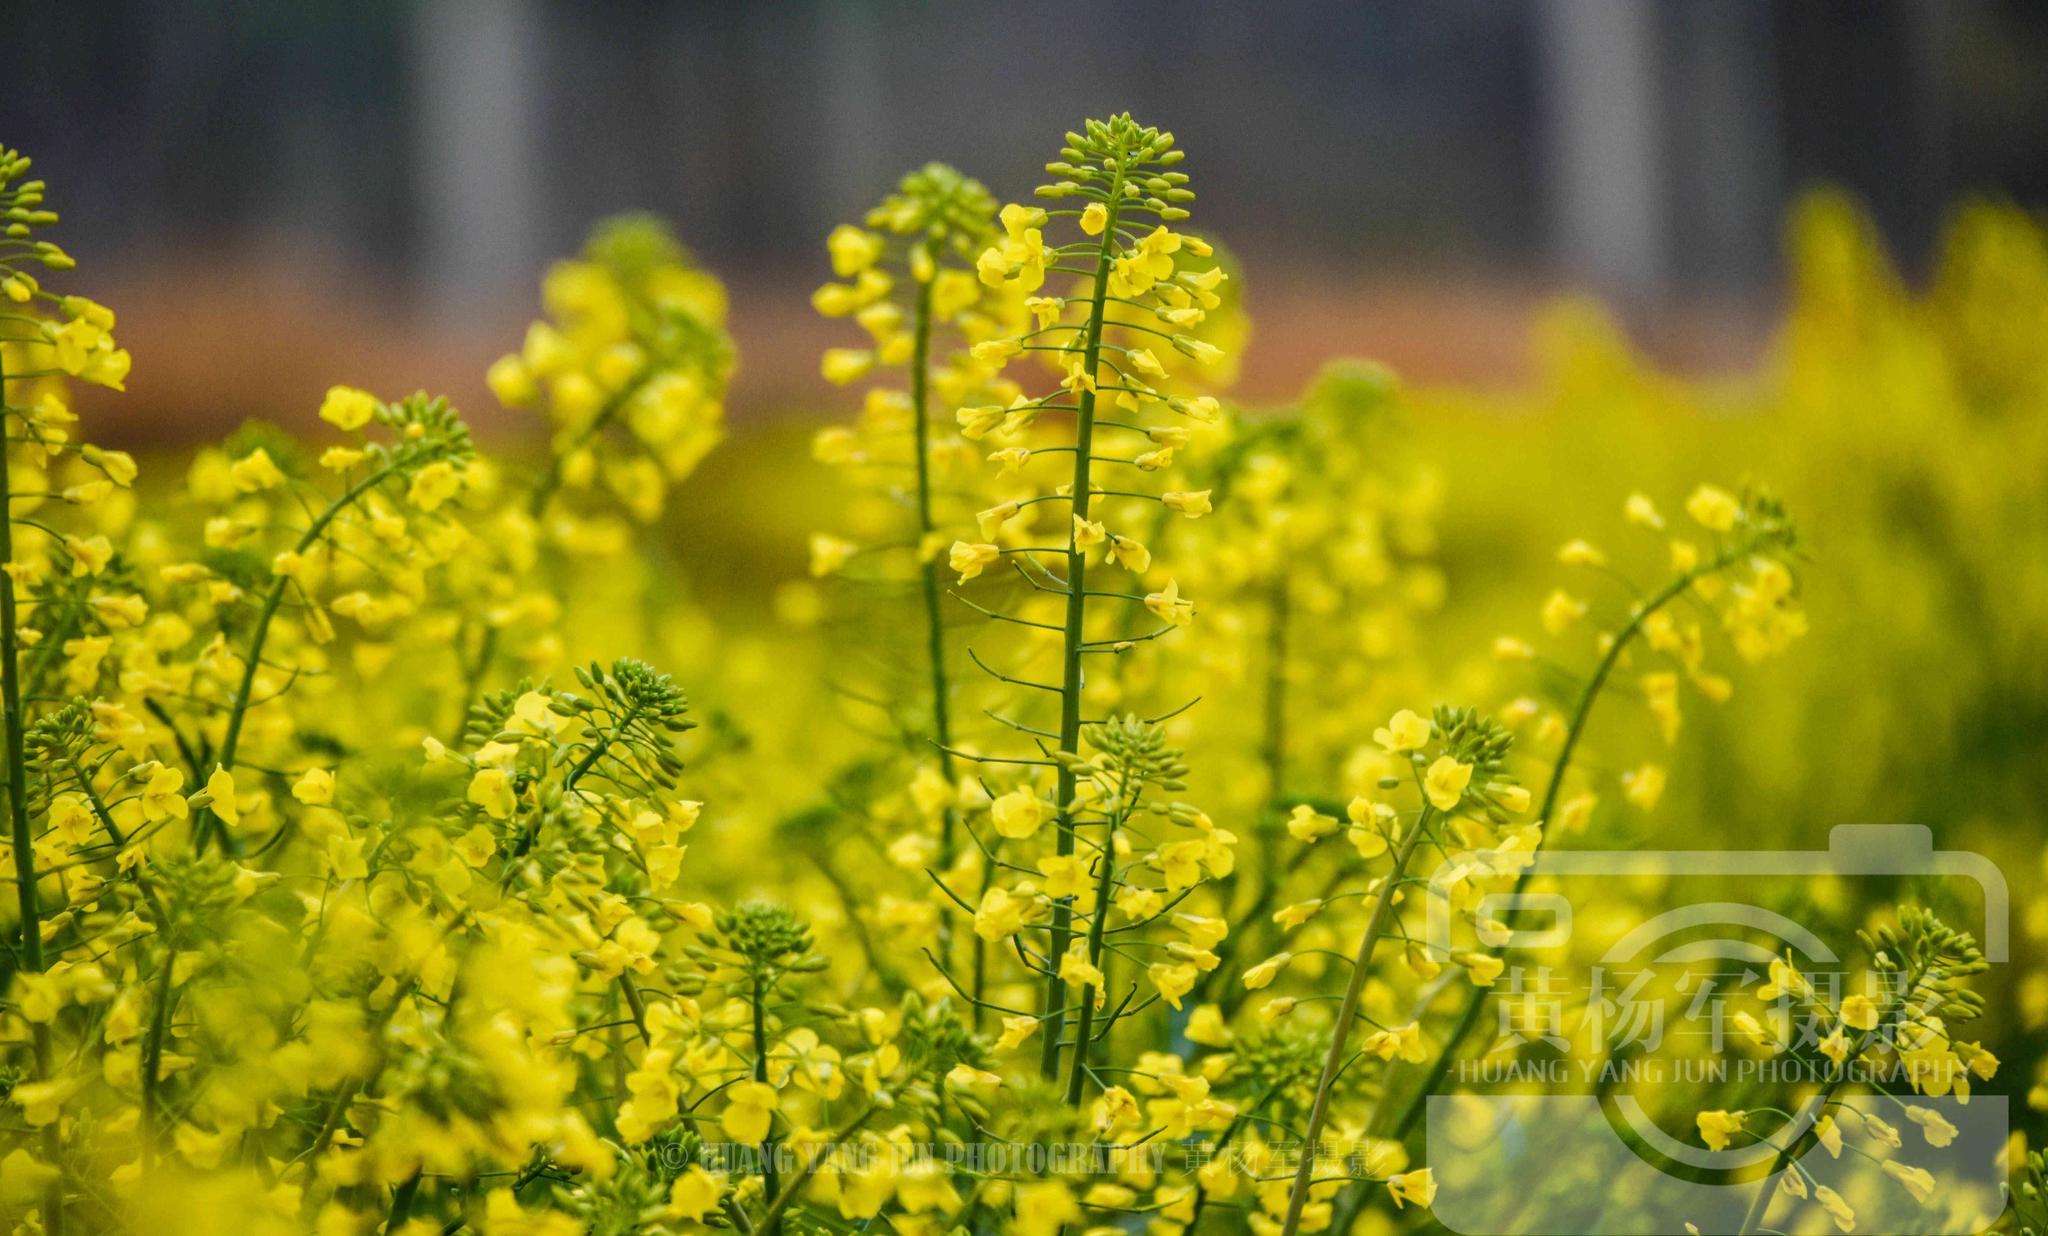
(1599,72)
(478,150)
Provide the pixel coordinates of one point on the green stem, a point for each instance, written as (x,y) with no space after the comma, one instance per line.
(598,749)
(1273,755)
(1072,636)
(375,1032)
(980,989)
(935,642)
(637,1006)
(1347,1013)
(772,1219)
(934,629)
(401,1203)
(1475,999)
(207,822)
(1809,1115)
(119,838)
(1077,1072)
(1273,750)
(331,1123)
(153,1055)
(473,679)
(769,1185)
(12,717)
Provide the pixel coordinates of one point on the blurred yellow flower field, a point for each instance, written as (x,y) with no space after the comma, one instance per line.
(1038,793)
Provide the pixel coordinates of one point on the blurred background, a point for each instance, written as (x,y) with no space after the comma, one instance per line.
(278,196)
(1610,245)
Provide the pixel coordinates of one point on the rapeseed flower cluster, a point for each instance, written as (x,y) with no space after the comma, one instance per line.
(369,876)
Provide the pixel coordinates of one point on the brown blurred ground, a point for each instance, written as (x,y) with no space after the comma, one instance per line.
(223,341)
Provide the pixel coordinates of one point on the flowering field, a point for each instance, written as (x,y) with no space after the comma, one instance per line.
(1050,797)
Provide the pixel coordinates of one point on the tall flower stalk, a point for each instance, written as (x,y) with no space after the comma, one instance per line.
(37,352)
(1925,967)
(910,285)
(1755,537)
(19,828)
(427,451)
(1320,544)
(627,370)
(1470,753)
(1121,171)
(502,976)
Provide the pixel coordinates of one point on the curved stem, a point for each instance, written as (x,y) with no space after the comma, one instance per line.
(980,950)
(1347,1013)
(46,653)
(772,1219)
(1804,1124)
(207,822)
(350,1087)
(1073,635)
(1475,1000)
(637,1005)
